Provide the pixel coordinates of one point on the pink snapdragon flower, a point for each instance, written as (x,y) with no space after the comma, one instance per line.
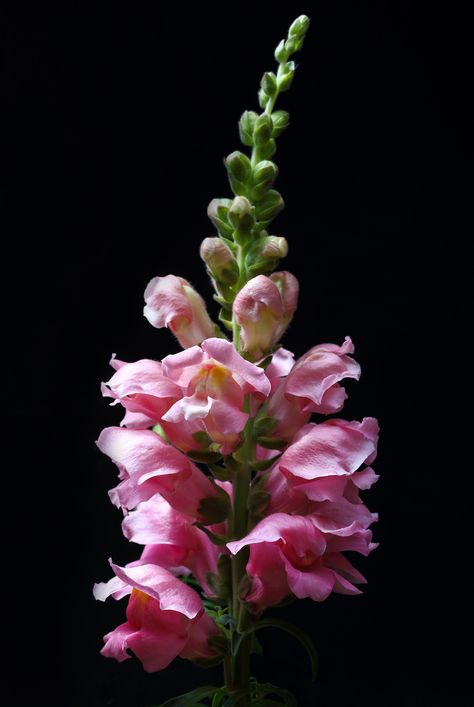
(165,618)
(143,390)
(148,466)
(292,554)
(172,302)
(214,381)
(171,539)
(323,463)
(263,309)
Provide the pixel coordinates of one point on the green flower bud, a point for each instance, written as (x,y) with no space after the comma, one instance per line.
(280,52)
(262,131)
(299,27)
(281,120)
(271,205)
(286,76)
(267,150)
(217,212)
(220,260)
(269,83)
(241,216)
(214,509)
(246,124)
(264,176)
(262,99)
(238,165)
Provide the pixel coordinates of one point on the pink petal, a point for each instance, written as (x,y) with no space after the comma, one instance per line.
(224,352)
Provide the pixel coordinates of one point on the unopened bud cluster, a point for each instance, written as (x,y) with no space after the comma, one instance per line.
(243,248)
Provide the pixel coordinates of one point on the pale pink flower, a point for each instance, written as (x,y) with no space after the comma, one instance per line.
(324,460)
(173,303)
(165,618)
(214,381)
(171,539)
(148,466)
(143,390)
(314,381)
(263,309)
(291,554)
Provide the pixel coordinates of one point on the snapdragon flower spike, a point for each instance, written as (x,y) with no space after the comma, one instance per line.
(148,465)
(165,618)
(323,463)
(290,554)
(214,380)
(171,539)
(171,302)
(263,309)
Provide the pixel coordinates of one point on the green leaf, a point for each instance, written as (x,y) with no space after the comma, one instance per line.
(190,698)
(297,633)
(235,698)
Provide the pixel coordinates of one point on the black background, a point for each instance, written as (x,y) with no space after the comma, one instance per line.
(118,118)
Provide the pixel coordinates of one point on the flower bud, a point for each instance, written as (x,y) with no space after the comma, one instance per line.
(238,169)
(219,260)
(262,99)
(217,212)
(264,175)
(280,120)
(299,27)
(262,131)
(269,206)
(287,74)
(280,52)
(263,309)
(171,302)
(269,83)
(241,215)
(275,247)
(246,125)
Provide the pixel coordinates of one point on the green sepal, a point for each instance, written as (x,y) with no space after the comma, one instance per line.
(201,457)
(267,150)
(286,77)
(269,83)
(262,130)
(246,125)
(262,99)
(216,539)
(238,171)
(222,317)
(188,698)
(214,509)
(241,215)
(220,472)
(264,176)
(264,426)
(264,464)
(268,207)
(270,443)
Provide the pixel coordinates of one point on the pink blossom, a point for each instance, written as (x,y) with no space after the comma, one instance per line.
(313,383)
(165,618)
(324,460)
(263,309)
(214,381)
(143,390)
(172,302)
(171,539)
(291,554)
(148,466)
